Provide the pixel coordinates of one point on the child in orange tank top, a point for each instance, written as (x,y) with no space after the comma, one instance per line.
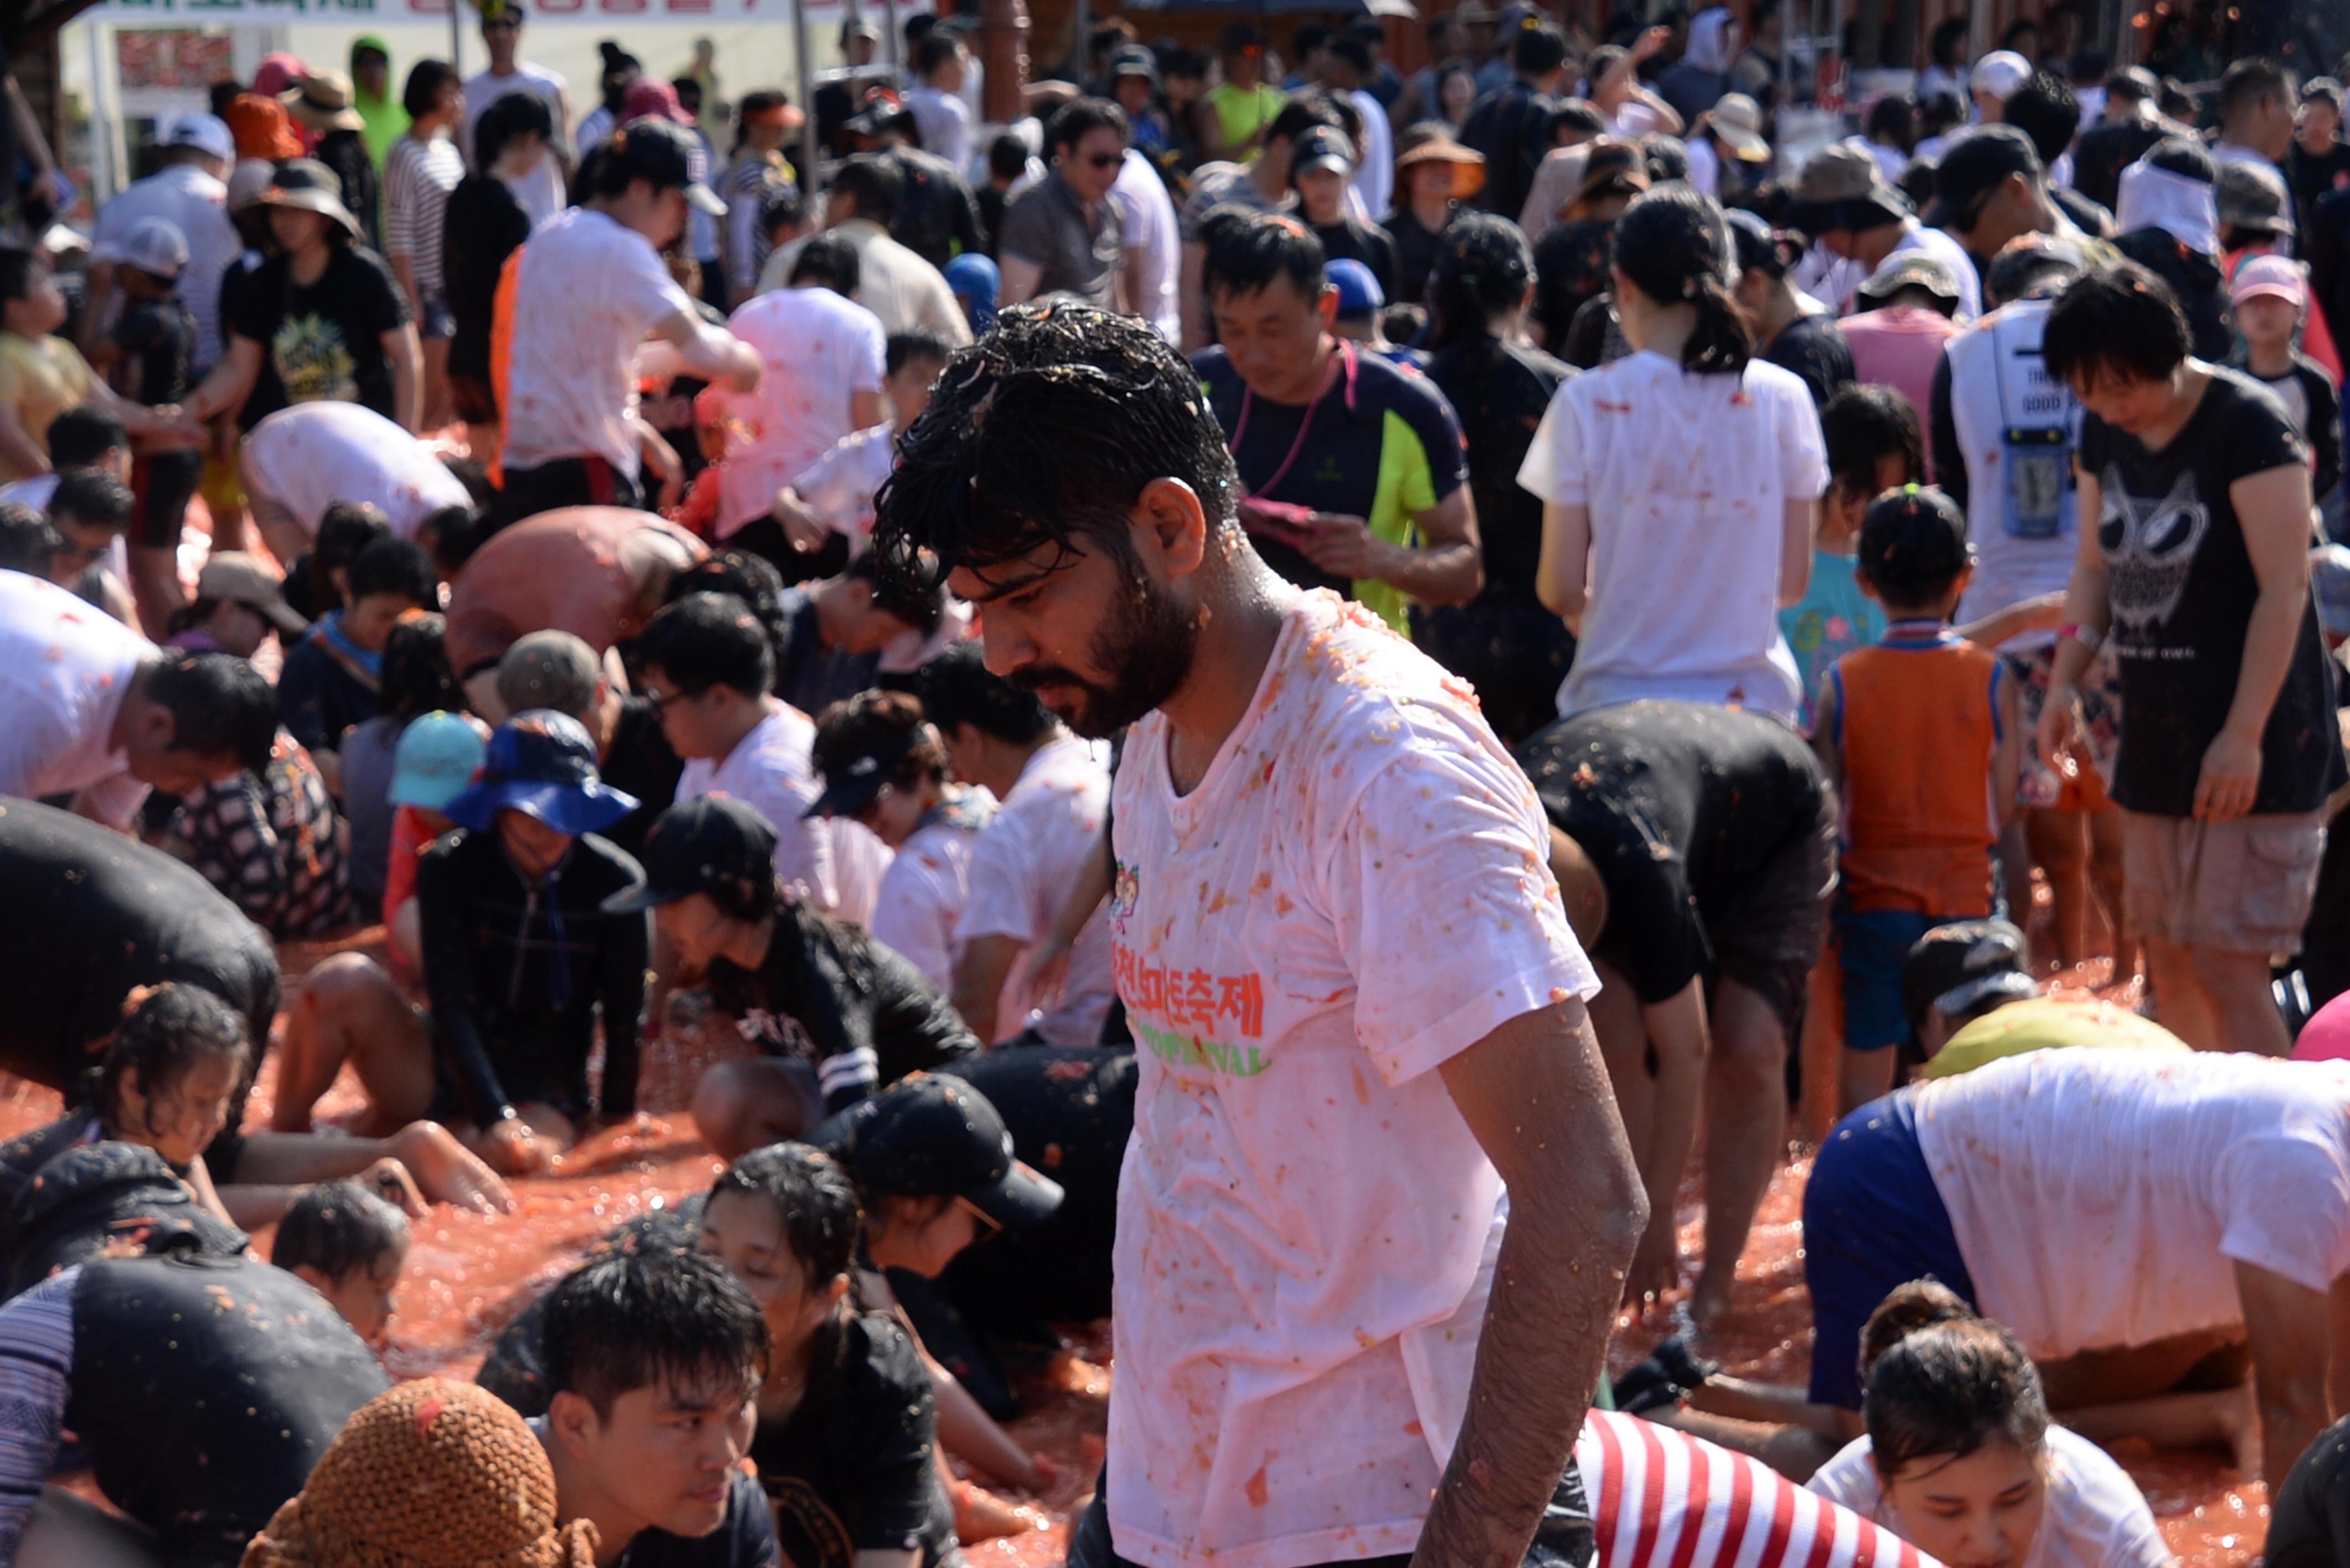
(1919,734)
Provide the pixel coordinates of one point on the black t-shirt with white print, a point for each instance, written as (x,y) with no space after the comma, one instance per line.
(2182,588)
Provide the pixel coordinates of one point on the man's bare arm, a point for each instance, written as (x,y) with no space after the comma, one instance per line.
(1534,1093)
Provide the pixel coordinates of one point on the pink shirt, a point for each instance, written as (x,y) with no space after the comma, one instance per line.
(1899,347)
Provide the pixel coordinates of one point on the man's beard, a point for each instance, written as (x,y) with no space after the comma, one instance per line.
(1146,648)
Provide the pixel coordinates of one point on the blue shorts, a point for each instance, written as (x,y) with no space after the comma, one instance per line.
(1872,1220)
(1873,946)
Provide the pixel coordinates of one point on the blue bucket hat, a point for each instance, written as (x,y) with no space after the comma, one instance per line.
(542,764)
(437,757)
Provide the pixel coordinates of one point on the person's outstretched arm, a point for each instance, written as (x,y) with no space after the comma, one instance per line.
(1535,1096)
(710,352)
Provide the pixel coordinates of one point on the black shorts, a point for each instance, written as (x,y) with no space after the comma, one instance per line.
(164,484)
(566,482)
(1770,939)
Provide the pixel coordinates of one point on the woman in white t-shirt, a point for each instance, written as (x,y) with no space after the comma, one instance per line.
(1962,1459)
(1681,484)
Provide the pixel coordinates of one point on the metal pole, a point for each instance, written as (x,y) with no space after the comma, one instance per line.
(808,93)
(106,150)
(457,49)
(893,44)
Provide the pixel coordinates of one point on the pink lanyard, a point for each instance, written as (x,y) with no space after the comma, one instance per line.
(1248,401)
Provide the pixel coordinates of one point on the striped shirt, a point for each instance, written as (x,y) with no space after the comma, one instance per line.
(753,180)
(37,1347)
(417,179)
(1663,1499)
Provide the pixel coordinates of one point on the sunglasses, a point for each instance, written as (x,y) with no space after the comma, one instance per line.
(1106,160)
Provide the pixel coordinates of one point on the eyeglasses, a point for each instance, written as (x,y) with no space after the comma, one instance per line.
(660,701)
(989,1225)
(1106,160)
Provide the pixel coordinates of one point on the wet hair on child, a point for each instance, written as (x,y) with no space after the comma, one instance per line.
(1863,424)
(339,1229)
(348,527)
(397,568)
(80,436)
(1674,246)
(416,678)
(166,1034)
(814,1200)
(1947,1390)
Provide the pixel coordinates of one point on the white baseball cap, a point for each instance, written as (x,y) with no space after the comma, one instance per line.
(155,245)
(2000,73)
(206,132)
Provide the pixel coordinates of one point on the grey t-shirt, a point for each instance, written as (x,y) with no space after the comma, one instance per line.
(1078,252)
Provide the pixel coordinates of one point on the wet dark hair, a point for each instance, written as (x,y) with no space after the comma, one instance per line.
(868,180)
(1356,52)
(1482,267)
(751,578)
(516,115)
(1047,430)
(81,436)
(1863,423)
(93,498)
(1577,114)
(919,605)
(2046,110)
(347,528)
(1760,248)
(1309,36)
(831,260)
(19,265)
(919,343)
(1301,114)
(2118,319)
(1950,31)
(2022,266)
(2246,82)
(933,49)
(28,543)
(339,1229)
(957,688)
(1671,243)
(1190,63)
(426,80)
(645,1315)
(756,102)
(874,723)
(165,1034)
(1080,118)
(784,208)
(1946,1391)
(1906,1309)
(1539,50)
(417,678)
(457,532)
(704,640)
(811,1195)
(2183,155)
(395,566)
(1894,117)
(1248,255)
(1938,111)
(1007,156)
(220,705)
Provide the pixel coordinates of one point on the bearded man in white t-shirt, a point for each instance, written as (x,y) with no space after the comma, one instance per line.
(1358,1004)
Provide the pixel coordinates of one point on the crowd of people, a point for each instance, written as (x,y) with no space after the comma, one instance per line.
(1269,703)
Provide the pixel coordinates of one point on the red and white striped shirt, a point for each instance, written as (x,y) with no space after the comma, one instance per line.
(1663,1499)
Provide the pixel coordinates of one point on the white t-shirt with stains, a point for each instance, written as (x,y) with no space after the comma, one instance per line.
(2095,1517)
(2099,1196)
(1022,864)
(1687,478)
(1357,891)
(65,669)
(311,455)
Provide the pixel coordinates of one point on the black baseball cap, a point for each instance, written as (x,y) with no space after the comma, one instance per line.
(930,1134)
(697,847)
(662,150)
(1915,534)
(1973,167)
(1956,967)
